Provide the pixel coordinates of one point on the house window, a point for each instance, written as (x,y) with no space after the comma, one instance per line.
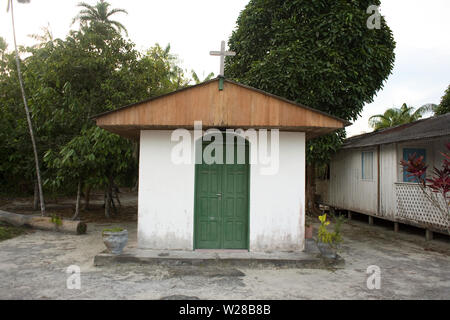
(367,165)
(407,152)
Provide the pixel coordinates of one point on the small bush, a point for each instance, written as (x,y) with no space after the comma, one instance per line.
(332,238)
(56,220)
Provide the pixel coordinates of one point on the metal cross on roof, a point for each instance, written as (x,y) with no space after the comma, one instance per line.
(222,53)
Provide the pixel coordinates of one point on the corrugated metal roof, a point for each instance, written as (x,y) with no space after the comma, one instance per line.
(426,128)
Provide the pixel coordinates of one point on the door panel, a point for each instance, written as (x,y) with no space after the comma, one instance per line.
(208,206)
(235,206)
(221,205)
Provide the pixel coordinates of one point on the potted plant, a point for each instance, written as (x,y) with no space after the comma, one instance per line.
(328,242)
(309,229)
(115,239)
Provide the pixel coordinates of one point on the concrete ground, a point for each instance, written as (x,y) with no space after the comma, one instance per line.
(33,266)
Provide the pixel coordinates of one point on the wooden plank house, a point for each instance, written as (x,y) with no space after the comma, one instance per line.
(366,176)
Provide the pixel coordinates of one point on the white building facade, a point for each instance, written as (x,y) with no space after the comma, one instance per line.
(167,193)
(255,205)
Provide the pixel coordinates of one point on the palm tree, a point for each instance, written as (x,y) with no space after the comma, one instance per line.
(397,116)
(44,38)
(100,14)
(197,79)
(25,103)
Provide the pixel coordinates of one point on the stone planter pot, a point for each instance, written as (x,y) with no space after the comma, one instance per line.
(115,241)
(327,251)
(309,230)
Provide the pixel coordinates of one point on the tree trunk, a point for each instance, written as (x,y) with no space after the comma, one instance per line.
(111,197)
(43,223)
(27,112)
(77,205)
(136,153)
(107,203)
(116,192)
(87,197)
(111,194)
(36,197)
(311,190)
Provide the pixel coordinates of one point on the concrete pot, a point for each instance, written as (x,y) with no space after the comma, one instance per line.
(327,251)
(309,230)
(115,241)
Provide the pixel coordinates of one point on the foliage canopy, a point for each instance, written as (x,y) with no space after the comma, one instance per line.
(320,53)
(93,70)
(444,106)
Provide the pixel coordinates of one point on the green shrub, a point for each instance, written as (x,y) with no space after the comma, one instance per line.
(332,238)
(56,220)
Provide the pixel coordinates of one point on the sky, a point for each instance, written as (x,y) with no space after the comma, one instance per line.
(194,28)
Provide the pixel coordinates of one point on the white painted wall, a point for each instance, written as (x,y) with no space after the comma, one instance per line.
(277,202)
(166,197)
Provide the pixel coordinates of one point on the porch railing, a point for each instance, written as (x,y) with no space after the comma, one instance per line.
(413,206)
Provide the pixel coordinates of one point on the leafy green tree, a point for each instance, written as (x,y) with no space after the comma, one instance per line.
(94,155)
(99,15)
(17,167)
(3,47)
(444,106)
(317,52)
(161,71)
(45,37)
(25,103)
(320,53)
(74,162)
(91,83)
(397,116)
(93,70)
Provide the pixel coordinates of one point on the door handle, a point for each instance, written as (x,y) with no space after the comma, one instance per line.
(219,194)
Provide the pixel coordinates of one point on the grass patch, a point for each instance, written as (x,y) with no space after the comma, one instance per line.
(9,232)
(113,230)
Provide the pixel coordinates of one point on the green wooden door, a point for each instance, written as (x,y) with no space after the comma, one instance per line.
(222,204)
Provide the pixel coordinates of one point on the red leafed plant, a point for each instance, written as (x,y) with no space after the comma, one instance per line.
(439,183)
(416,167)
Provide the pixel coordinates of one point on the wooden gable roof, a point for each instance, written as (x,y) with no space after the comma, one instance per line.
(236,106)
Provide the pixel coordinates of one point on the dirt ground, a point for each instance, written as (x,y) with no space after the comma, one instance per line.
(33,266)
(65,207)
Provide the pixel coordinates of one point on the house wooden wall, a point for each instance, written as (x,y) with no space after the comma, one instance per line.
(347,190)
